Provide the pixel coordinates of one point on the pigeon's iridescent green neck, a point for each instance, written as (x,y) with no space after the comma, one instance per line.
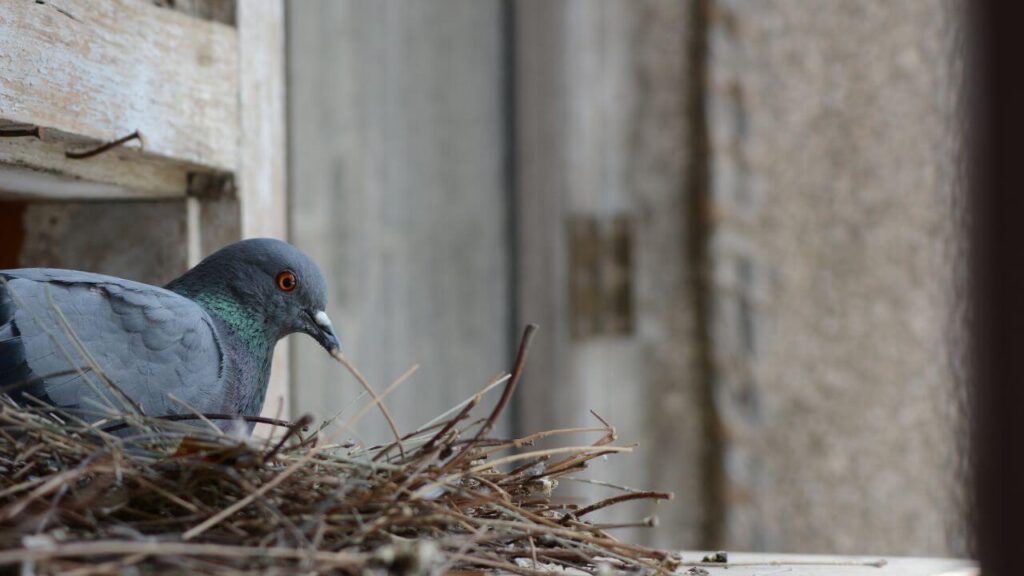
(249,330)
(248,326)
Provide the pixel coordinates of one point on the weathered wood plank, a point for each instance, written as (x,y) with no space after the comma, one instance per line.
(96,71)
(397,181)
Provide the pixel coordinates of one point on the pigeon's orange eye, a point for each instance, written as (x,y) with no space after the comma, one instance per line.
(286,281)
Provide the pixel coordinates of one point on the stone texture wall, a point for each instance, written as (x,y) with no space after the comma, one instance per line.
(832,180)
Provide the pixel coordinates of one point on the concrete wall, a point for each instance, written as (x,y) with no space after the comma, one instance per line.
(833,166)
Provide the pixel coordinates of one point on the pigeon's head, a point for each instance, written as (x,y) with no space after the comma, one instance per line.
(263,284)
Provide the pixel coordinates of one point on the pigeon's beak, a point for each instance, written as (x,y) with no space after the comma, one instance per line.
(323,331)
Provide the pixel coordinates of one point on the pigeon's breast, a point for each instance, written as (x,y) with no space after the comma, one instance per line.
(247,369)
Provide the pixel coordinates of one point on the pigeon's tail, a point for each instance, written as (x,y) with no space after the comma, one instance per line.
(16,378)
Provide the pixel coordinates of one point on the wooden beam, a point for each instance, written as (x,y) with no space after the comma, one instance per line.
(95,71)
(39,169)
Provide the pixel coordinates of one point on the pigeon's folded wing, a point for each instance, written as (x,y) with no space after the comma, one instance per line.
(64,335)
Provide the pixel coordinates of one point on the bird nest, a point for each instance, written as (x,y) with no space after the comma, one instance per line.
(156,494)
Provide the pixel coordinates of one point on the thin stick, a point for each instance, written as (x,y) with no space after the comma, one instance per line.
(183,503)
(498,564)
(217,518)
(104,147)
(506,394)
(209,416)
(596,450)
(337,355)
(451,423)
(517,373)
(496,381)
(378,400)
(601,483)
(568,534)
(112,567)
(302,423)
(466,406)
(532,438)
(650,495)
(649,522)
(197,414)
(277,416)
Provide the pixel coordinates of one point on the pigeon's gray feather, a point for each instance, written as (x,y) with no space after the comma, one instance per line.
(149,342)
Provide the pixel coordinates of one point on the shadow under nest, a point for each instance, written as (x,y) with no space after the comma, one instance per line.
(137,493)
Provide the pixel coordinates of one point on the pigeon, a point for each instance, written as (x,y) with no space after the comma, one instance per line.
(96,345)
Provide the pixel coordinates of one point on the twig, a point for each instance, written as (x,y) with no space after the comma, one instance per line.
(617,499)
(209,523)
(208,416)
(300,424)
(196,413)
(496,381)
(277,416)
(602,483)
(506,394)
(593,450)
(104,147)
(514,568)
(337,355)
(451,423)
(517,373)
(379,400)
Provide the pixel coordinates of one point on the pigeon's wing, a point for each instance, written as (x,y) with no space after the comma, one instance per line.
(85,341)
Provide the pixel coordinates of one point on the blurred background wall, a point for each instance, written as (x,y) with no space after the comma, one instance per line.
(398,162)
(734,221)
